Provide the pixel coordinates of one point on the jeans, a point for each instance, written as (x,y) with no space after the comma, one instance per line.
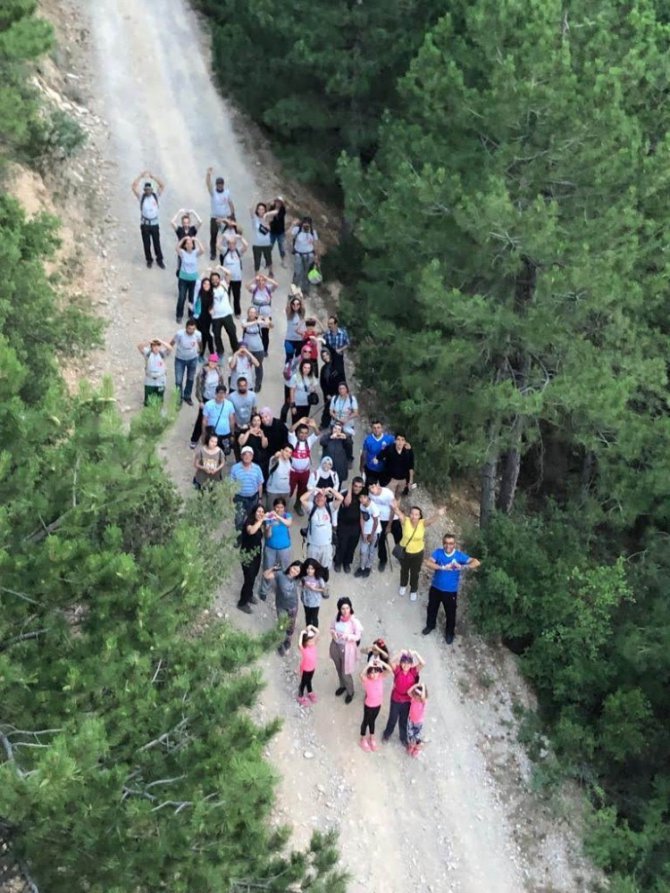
(189,367)
(367,552)
(243,505)
(280,240)
(186,291)
(272,558)
(228,323)
(291,349)
(250,569)
(264,252)
(410,568)
(258,370)
(151,233)
(448,599)
(290,628)
(347,540)
(398,713)
(301,267)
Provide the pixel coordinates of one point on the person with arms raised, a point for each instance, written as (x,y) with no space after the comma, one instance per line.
(149,221)
(221,207)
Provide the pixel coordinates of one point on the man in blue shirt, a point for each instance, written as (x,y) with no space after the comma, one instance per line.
(371,463)
(219,417)
(448,563)
(277,552)
(249,479)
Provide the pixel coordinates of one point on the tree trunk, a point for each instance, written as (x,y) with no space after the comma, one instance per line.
(487,499)
(510,476)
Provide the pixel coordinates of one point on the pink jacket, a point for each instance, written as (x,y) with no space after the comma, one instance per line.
(350,641)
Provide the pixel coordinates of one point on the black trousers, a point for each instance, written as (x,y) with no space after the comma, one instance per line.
(204,324)
(311,616)
(382,551)
(213,235)
(410,568)
(347,540)
(262,252)
(227,323)
(250,570)
(236,292)
(398,713)
(151,234)
(448,600)
(370,715)
(305,682)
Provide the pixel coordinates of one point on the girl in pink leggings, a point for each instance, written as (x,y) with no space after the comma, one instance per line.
(373,684)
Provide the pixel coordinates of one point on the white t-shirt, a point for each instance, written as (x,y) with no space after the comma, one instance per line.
(302,451)
(220,203)
(155,371)
(243,368)
(260,239)
(187,347)
(304,243)
(149,208)
(372,512)
(221,304)
(340,406)
(233,262)
(383,501)
(278,481)
(320,527)
(303,387)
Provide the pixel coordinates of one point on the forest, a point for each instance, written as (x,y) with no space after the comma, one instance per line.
(503,171)
(128,755)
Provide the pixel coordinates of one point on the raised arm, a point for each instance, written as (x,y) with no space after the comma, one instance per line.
(399,512)
(135,185)
(159,183)
(208,179)
(196,216)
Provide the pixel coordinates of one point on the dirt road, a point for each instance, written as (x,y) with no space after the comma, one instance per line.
(459,818)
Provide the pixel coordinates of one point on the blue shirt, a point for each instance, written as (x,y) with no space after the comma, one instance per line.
(217,416)
(447,581)
(373,447)
(280,534)
(248,477)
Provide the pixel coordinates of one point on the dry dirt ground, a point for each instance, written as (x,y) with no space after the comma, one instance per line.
(462,817)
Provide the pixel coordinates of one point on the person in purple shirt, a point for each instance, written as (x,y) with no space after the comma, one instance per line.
(448,564)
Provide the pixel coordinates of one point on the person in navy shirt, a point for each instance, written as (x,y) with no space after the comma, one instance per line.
(448,564)
(371,464)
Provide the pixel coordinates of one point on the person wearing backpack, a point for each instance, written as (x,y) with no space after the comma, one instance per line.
(319,531)
(221,208)
(305,247)
(149,228)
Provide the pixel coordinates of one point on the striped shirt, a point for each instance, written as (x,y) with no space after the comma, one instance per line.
(248,477)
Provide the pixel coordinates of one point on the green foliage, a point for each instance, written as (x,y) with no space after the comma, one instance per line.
(327,74)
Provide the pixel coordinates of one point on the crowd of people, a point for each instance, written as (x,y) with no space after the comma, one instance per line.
(285,463)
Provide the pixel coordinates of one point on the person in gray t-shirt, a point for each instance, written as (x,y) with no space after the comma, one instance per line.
(187,349)
(244,401)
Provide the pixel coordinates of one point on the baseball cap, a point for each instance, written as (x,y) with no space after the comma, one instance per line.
(213,358)
(219,179)
(246,449)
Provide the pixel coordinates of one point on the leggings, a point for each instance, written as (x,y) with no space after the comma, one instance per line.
(305,682)
(410,567)
(370,715)
(265,252)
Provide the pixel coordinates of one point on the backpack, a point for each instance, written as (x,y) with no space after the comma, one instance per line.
(304,531)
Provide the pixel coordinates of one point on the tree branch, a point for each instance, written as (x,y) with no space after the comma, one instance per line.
(22,638)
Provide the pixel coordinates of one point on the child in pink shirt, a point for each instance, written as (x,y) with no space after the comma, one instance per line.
(419,695)
(307,648)
(372,678)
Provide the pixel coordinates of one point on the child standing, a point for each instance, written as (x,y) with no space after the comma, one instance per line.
(314,588)
(307,647)
(372,678)
(419,695)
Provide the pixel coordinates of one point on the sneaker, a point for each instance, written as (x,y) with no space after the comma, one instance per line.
(373,744)
(253,600)
(449,638)
(212,257)
(427,630)
(161,264)
(360,572)
(363,744)
(193,444)
(302,701)
(386,739)
(312,696)
(299,510)
(382,566)
(262,596)
(340,691)
(413,596)
(245,608)
(347,568)
(188,401)
(402,590)
(150,264)
(337,568)
(366,572)
(348,699)
(281,651)
(325,594)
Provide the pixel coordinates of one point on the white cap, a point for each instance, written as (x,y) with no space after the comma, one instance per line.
(246,449)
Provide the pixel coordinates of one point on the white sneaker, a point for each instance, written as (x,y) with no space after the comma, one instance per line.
(413,596)
(402,590)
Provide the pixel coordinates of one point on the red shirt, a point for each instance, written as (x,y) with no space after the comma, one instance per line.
(402,682)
